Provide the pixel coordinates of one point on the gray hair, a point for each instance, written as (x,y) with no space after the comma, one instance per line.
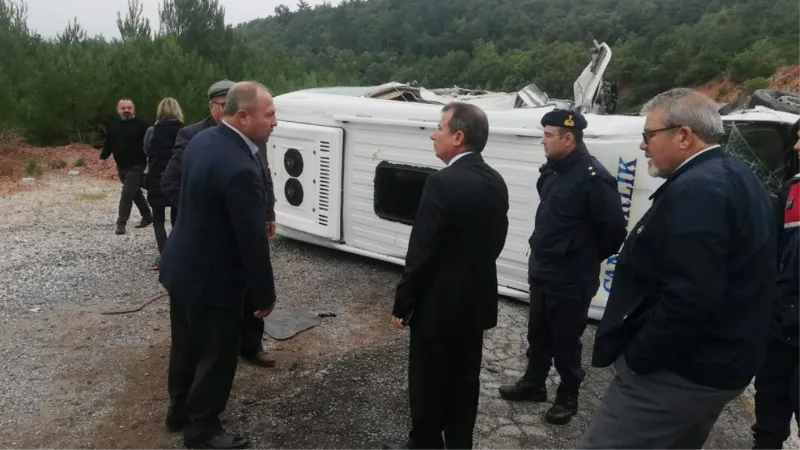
(470,120)
(242,95)
(687,107)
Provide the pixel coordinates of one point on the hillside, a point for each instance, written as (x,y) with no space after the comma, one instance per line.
(723,89)
(64,89)
(505,44)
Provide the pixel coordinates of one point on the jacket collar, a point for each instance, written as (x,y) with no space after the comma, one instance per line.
(466,158)
(701,157)
(235,137)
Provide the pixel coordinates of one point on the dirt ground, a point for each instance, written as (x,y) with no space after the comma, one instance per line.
(76,378)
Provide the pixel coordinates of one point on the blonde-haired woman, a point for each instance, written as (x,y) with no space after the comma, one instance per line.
(158,144)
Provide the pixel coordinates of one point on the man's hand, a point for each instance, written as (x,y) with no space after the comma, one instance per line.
(263,312)
(271,227)
(398,322)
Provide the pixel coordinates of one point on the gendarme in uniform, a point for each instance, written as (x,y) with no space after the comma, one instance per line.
(579,223)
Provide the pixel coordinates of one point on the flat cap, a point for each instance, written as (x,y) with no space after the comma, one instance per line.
(220,88)
(564,118)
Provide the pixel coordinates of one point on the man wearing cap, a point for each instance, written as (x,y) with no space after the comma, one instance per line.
(777,383)
(252,327)
(579,223)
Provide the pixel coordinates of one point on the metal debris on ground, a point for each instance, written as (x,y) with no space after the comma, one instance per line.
(285,323)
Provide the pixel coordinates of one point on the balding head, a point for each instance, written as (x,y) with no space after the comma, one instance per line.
(249,108)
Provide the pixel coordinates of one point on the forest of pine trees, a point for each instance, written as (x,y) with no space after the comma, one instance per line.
(65,88)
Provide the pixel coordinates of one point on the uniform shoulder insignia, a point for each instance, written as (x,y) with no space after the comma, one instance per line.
(592,171)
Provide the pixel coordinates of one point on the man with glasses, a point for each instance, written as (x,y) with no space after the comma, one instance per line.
(689,310)
(777,384)
(579,223)
(252,327)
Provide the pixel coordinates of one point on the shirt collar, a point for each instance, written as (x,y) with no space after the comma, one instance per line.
(252,145)
(457,157)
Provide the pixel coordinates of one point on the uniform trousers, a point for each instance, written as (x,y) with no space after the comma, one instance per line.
(557,319)
(777,394)
(444,385)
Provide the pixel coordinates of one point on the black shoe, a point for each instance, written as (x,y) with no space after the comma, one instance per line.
(395,445)
(524,390)
(260,359)
(144,222)
(120,228)
(175,419)
(223,439)
(564,407)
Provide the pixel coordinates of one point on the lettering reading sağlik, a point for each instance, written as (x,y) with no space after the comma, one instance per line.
(626,175)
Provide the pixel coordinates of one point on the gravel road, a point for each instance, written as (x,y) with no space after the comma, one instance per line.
(75,378)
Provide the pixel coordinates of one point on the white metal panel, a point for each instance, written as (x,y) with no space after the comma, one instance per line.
(321,179)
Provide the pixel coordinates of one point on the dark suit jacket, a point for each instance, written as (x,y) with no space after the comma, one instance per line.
(449,285)
(171,178)
(219,245)
(695,280)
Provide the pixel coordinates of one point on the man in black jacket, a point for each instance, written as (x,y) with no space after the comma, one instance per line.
(218,250)
(125,140)
(252,327)
(579,223)
(448,293)
(777,383)
(690,306)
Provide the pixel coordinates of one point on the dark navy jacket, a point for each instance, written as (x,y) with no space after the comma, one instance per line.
(219,246)
(579,221)
(693,282)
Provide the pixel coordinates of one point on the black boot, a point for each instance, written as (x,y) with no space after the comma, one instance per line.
(564,407)
(175,418)
(120,228)
(761,442)
(527,389)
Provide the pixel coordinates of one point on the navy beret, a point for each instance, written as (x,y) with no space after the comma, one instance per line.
(564,118)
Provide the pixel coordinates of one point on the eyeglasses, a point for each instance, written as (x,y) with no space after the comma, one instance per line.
(647,134)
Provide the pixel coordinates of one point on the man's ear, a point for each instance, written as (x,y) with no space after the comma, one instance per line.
(458,138)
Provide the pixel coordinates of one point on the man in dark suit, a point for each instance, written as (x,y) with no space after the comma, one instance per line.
(448,293)
(217,252)
(689,310)
(252,327)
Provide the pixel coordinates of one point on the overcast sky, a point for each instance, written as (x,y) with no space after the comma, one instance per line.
(50,17)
